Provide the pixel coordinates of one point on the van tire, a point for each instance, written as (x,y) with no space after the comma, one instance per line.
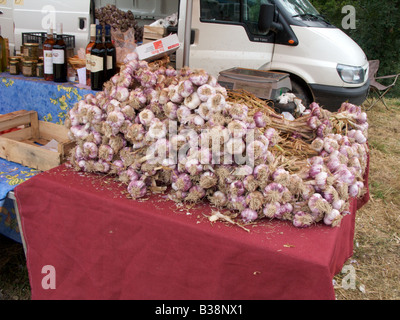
(302,92)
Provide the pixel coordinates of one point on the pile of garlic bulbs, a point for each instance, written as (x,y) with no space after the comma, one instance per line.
(157,128)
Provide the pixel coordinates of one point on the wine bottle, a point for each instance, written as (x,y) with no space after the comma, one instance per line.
(111,54)
(60,57)
(99,61)
(48,55)
(3,54)
(88,52)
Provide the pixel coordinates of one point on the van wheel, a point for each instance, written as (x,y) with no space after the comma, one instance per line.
(301,92)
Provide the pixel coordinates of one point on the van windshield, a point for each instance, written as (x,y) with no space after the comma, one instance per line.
(300,8)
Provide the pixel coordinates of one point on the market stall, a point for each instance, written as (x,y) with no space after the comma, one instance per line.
(104,245)
(114,225)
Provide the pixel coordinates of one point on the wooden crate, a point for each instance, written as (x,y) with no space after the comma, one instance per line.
(24,145)
(151,34)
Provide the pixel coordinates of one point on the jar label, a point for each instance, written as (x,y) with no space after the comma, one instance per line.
(97,64)
(58,56)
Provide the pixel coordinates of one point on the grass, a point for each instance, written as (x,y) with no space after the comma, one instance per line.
(14,281)
(376,259)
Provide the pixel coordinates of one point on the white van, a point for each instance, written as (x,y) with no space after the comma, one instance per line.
(324,64)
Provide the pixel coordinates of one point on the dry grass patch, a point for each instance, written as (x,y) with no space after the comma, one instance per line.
(376,258)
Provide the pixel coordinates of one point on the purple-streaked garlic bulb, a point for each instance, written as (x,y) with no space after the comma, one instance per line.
(199,77)
(218,199)
(208,180)
(205,92)
(90,150)
(302,219)
(146,116)
(237,129)
(105,152)
(235,146)
(236,188)
(195,194)
(137,189)
(333,218)
(255,200)
(249,215)
(318,206)
(272,135)
(192,101)
(271,209)
(185,88)
(216,103)
(182,183)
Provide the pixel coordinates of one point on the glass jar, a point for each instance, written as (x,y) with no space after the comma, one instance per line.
(40,70)
(14,67)
(29,68)
(31,51)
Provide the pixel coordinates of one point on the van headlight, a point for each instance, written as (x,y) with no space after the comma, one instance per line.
(351,74)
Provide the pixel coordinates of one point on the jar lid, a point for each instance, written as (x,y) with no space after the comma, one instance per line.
(28,44)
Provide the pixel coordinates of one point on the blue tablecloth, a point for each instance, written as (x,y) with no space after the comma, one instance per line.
(51,101)
(11,175)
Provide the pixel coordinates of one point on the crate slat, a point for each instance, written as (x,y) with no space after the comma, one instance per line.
(24,146)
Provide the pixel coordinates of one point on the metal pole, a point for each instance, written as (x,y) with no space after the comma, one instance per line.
(188,28)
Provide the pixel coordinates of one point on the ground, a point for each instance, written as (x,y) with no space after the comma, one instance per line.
(372,273)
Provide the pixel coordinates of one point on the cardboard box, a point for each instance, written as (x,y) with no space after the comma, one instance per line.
(151,33)
(159,48)
(26,145)
(263,84)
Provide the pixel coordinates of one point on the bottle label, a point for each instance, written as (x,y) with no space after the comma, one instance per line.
(109,62)
(88,62)
(97,64)
(58,56)
(48,61)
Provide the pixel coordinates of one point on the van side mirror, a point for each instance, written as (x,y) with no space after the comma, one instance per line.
(266,18)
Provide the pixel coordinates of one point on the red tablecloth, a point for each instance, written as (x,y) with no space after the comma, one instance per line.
(105,246)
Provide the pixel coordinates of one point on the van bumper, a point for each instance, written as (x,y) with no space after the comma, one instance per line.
(331,98)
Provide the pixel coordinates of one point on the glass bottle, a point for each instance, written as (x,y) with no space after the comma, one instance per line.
(88,52)
(111,54)
(48,55)
(98,61)
(3,54)
(60,67)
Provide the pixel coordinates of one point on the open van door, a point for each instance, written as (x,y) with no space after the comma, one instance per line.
(37,15)
(7,22)
(227,35)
